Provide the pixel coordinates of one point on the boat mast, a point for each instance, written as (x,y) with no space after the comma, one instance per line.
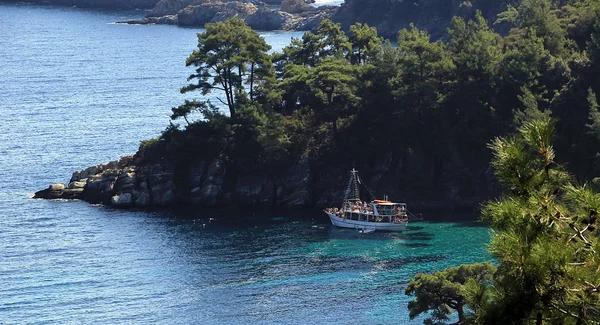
(352,193)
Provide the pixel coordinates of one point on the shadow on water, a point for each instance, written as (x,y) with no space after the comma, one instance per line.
(310,265)
(421,235)
(416,245)
(473,224)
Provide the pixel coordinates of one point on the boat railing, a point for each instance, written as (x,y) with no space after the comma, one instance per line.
(361,214)
(416,217)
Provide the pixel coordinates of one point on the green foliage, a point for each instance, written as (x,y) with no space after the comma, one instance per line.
(443,292)
(420,57)
(335,41)
(230,55)
(476,48)
(424,109)
(593,44)
(545,234)
(545,242)
(366,45)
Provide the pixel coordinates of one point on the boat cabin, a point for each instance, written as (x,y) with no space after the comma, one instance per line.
(376,211)
(386,208)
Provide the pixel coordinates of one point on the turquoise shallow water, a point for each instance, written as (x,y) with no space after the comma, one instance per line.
(77,89)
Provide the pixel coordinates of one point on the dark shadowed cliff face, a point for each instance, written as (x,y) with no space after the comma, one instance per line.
(134,182)
(389,16)
(105,4)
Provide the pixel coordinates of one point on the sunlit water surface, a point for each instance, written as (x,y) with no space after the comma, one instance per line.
(76,90)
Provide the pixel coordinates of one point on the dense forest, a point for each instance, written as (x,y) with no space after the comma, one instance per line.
(427,107)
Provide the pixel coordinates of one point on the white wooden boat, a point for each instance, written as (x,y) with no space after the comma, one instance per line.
(381,215)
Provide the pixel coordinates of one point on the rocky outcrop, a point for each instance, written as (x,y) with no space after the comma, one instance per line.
(267,19)
(172,7)
(301,15)
(124,184)
(434,16)
(296,6)
(132,182)
(214,11)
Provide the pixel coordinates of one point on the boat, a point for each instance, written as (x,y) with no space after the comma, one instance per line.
(382,215)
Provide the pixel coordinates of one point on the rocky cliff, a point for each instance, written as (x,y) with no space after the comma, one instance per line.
(389,16)
(294,14)
(130,182)
(133,182)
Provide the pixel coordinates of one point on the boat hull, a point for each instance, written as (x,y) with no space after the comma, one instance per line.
(366,225)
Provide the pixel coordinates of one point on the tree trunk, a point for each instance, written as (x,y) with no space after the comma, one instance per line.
(329,101)
(251,80)
(538,320)
(227,95)
(231,96)
(334,126)
(461,314)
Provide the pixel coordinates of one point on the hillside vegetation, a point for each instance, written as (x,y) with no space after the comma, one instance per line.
(414,118)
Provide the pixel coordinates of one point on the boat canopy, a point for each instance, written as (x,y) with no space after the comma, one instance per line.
(381,201)
(387,203)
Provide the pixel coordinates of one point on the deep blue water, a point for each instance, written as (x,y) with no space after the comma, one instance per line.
(76,90)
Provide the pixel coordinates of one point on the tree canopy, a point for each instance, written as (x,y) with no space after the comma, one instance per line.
(545,242)
(421,110)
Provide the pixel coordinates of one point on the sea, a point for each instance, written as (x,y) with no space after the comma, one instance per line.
(77,89)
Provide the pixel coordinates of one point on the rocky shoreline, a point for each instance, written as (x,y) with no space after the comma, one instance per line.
(388,16)
(132,182)
(129,182)
(293,15)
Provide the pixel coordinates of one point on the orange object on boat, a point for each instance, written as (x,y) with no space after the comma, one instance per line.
(381,201)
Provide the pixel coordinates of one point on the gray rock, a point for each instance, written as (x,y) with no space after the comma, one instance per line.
(57,187)
(167,20)
(267,19)
(72,193)
(214,11)
(78,184)
(162,194)
(211,190)
(295,186)
(76,176)
(54,191)
(296,6)
(99,188)
(90,171)
(172,7)
(124,199)
(125,181)
(195,174)
(142,199)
